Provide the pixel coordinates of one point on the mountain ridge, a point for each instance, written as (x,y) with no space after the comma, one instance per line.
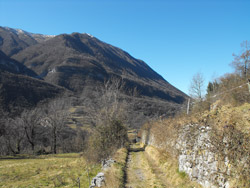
(82,64)
(80,51)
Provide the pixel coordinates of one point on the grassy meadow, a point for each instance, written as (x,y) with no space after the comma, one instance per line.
(61,170)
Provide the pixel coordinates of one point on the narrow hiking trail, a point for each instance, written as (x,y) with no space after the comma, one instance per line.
(141,172)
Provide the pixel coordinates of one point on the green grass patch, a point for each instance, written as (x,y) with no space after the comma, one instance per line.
(181,173)
(61,170)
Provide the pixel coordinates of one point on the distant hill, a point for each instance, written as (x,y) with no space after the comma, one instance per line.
(81,62)
(19,87)
(13,66)
(18,91)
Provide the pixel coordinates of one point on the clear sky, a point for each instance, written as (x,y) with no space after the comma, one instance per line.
(177,38)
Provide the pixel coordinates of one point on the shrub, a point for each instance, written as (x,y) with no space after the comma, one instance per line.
(106,139)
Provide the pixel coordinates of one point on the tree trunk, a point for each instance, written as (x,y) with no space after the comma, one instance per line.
(30,139)
(54,147)
(19,147)
(32,147)
(54,141)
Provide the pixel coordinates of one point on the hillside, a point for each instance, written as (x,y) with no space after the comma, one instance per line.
(19,87)
(70,60)
(14,40)
(18,92)
(13,66)
(84,64)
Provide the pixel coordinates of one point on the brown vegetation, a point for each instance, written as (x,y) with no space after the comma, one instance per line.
(105,140)
(115,176)
(167,168)
(226,110)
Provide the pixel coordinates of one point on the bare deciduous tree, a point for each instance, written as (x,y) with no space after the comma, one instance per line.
(107,104)
(106,113)
(30,121)
(14,135)
(2,122)
(56,115)
(113,105)
(241,62)
(197,87)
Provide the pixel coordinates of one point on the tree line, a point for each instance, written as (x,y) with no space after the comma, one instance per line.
(45,128)
(40,130)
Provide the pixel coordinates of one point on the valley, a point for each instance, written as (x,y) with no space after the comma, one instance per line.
(70,102)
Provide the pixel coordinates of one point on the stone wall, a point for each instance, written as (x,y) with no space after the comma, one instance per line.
(196,154)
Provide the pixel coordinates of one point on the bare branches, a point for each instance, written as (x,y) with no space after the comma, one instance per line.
(197,86)
(30,121)
(14,135)
(113,106)
(56,115)
(241,62)
(105,104)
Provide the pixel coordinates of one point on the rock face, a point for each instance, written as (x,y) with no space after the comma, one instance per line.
(196,156)
(198,159)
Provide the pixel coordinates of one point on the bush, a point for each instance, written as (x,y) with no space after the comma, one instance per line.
(231,92)
(106,139)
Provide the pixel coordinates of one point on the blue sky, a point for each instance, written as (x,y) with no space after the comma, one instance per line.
(177,38)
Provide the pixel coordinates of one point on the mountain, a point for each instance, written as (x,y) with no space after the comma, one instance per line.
(82,63)
(19,87)
(19,91)
(70,60)
(12,66)
(13,41)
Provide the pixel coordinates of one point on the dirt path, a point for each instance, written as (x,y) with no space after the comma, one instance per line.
(140,173)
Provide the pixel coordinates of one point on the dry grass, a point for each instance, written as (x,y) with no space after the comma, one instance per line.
(132,134)
(115,175)
(140,174)
(239,117)
(166,167)
(226,121)
(221,115)
(61,170)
